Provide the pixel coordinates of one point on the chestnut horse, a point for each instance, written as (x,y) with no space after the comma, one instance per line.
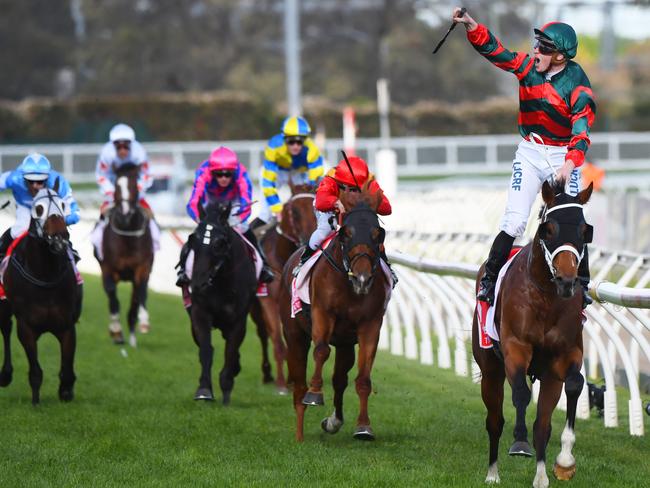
(42,292)
(297,224)
(127,253)
(539,321)
(349,294)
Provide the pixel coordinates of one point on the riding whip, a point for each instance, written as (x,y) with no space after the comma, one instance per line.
(451,28)
(347,161)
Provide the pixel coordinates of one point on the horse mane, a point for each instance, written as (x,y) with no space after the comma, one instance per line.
(351,199)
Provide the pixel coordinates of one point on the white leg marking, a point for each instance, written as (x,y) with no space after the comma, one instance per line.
(143,315)
(541,479)
(333,424)
(133,341)
(568,439)
(114,325)
(493,475)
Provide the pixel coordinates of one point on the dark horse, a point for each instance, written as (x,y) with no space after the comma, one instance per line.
(279,243)
(539,320)
(127,253)
(43,294)
(223,287)
(349,294)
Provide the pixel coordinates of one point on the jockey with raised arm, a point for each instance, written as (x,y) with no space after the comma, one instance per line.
(556,112)
(33,174)
(122,148)
(222,178)
(289,155)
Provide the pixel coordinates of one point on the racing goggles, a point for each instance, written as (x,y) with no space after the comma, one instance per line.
(544,46)
(294,141)
(222,174)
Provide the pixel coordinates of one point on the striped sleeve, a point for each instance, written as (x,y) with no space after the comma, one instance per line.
(583,110)
(315,168)
(269,178)
(491,49)
(201,179)
(245,193)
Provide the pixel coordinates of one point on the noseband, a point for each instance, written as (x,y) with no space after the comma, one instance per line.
(550,256)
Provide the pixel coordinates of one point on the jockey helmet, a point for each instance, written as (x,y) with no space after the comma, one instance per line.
(561,35)
(35,167)
(121,132)
(295,126)
(223,158)
(359,167)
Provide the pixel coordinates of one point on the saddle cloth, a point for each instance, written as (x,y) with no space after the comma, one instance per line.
(300,283)
(486,328)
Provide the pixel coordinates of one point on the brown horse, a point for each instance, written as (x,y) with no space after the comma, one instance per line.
(349,294)
(43,293)
(127,253)
(539,321)
(297,224)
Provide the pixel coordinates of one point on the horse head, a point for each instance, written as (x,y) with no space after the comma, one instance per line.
(563,234)
(211,242)
(298,218)
(126,193)
(48,219)
(361,237)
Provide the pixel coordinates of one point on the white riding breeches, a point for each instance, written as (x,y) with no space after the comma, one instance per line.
(23,217)
(533,164)
(297,178)
(97,236)
(323,228)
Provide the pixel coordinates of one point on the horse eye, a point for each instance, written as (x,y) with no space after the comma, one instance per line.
(40,209)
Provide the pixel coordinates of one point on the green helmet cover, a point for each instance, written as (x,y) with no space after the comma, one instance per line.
(562,35)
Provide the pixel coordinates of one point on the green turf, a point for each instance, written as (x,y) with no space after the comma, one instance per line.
(134,423)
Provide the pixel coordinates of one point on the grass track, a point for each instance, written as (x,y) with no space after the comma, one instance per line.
(134,423)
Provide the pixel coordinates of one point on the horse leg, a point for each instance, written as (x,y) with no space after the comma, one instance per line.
(517,359)
(132,315)
(143,314)
(202,334)
(343,362)
(565,464)
(492,379)
(231,364)
(549,393)
(298,342)
(28,339)
(114,327)
(368,336)
(322,327)
(68,342)
(6,374)
(256,315)
(271,316)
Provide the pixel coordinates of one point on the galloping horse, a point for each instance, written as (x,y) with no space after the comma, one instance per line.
(127,253)
(349,294)
(297,224)
(222,286)
(539,322)
(42,292)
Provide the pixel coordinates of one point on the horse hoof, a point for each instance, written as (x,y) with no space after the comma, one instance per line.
(133,342)
(283,390)
(204,394)
(117,337)
(5,379)
(329,427)
(364,433)
(520,448)
(66,395)
(562,473)
(313,398)
(268,379)
(144,328)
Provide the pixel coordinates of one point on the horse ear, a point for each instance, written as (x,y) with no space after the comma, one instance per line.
(548,195)
(56,185)
(585,195)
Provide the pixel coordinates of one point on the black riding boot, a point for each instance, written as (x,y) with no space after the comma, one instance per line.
(266,276)
(5,242)
(257,222)
(182,278)
(307,252)
(382,254)
(584,277)
(497,258)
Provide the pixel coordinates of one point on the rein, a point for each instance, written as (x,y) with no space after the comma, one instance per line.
(130,233)
(32,279)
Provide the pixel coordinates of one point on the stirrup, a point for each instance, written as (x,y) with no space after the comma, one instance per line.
(182,280)
(486,292)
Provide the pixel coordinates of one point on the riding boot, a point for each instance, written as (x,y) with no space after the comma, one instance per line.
(307,253)
(585,278)
(497,258)
(182,278)
(256,223)
(5,242)
(266,276)
(382,254)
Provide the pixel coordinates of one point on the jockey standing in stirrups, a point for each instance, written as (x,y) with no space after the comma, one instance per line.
(33,174)
(291,154)
(556,111)
(222,178)
(122,148)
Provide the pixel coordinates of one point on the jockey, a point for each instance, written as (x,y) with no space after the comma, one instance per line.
(291,154)
(556,111)
(122,148)
(223,178)
(327,203)
(33,174)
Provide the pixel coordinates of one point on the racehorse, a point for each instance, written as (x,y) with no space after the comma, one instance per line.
(539,322)
(349,294)
(279,242)
(42,292)
(127,253)
(223,286)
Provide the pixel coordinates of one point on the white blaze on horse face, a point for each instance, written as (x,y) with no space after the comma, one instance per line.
(541,478)
(568,440)
(123,183)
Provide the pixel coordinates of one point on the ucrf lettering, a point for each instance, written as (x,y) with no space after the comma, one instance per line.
(517,174)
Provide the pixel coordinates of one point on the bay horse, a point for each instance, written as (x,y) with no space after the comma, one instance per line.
(349,294)
(42,292)
(279,243)
(538,316)
(127,253)
(223,286)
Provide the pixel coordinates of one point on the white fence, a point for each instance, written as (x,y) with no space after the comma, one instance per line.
(436,298)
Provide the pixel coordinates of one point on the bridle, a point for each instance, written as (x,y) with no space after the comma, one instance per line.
(53,200)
